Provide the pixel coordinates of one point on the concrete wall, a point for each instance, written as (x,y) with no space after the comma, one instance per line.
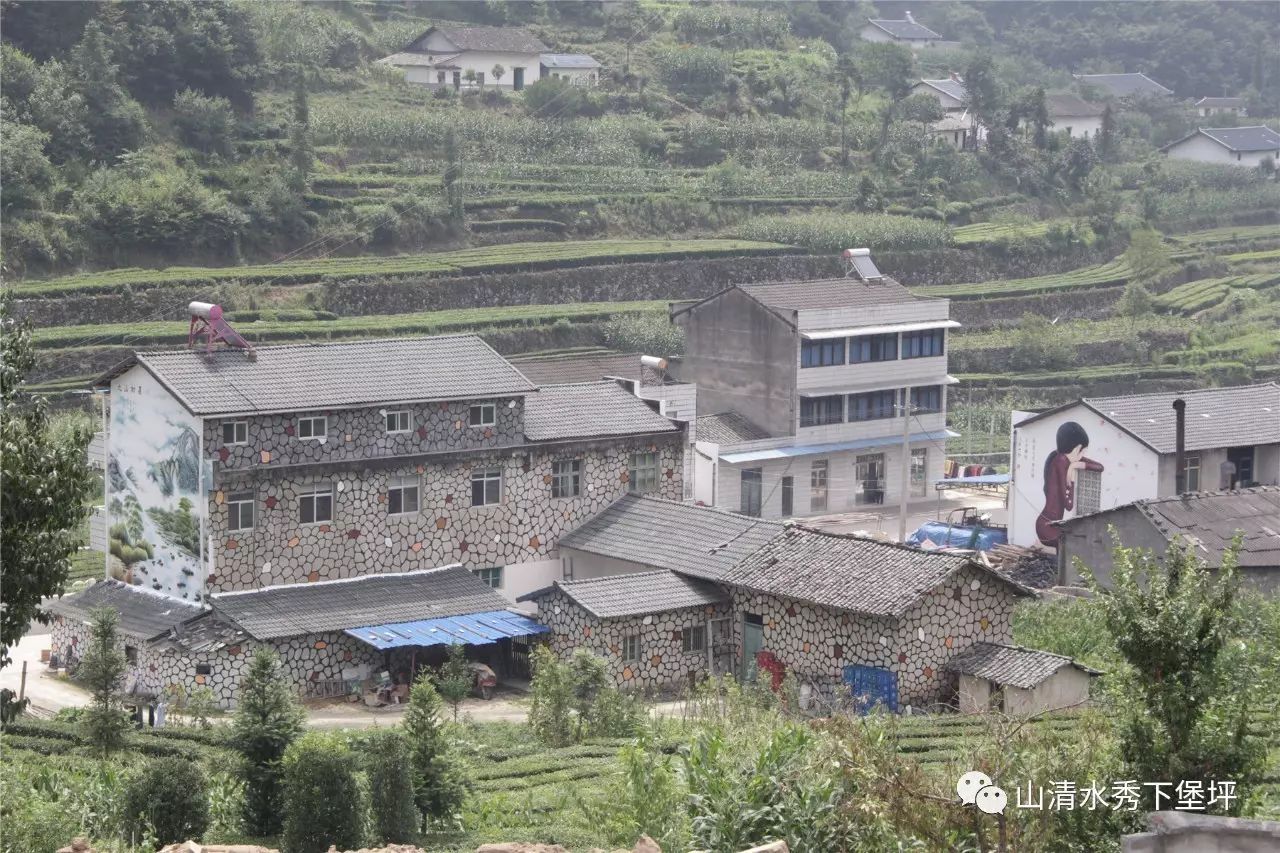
(1078,127)
(1067,687)
(1202,149)
(1182,832)
(480,61)
(742,357)
(947,102)
(1089,540)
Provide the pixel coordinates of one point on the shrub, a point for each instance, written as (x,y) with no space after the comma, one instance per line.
(394,813)
(168,799)
(324,802)
(437,783)
(572,700)
(649,333)
(829,232)
(267,720)
(204,123)
(455,678)
(1039,345)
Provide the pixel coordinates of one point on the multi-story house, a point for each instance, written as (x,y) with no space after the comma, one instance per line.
(810,392)
(230,470)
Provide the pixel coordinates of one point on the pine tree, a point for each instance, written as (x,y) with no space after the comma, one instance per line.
(267,720)
(300,154)
(102,668)
(449,180)
(456,679)
(436,782)
(1107,135)
(387,762)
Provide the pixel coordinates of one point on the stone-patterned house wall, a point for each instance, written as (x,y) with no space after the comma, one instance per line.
(818,642)
(364,539)
(662,663)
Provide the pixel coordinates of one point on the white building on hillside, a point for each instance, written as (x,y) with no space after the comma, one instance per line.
(1239,146)
(471,57)
(1073,114)
(576,68)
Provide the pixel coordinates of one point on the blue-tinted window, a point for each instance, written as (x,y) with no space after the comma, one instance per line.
(821,411)
(923,344)
(873,348)
(927,398)
(822,353)
(873,406)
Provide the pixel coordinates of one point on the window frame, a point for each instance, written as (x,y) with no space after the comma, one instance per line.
(573,475)
(875,404)
(757,488)
(486,477)
(818,411)
(310,420)
(919,486)
(933,391)
(401,485)
(915,340)
(487,575)
(823,465)
(1187,468)
(629,648)
(313,493)
(822,353)
(204,669)
(636,472)
(400,415)
(482,423)
(1088,492)
(239,433)
(875,346)
(689,648)
(236,502)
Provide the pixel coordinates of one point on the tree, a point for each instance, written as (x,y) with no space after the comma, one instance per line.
(102,668)
(1076,162)
(1136,301)
(456,678)
(1147,256)
(497,71)
(890,67)
(387,763)
(1106,137)
(300,156)
(437,784)
(169,798)
(202,122)
(449,180)
(1185,703)
(984,94)
(324,803)
(44,483)
(550,711)
(846,76)
(116,121)
(587,680)
(925,109)
(267,720)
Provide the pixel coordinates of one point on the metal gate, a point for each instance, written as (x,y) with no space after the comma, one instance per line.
(871,686)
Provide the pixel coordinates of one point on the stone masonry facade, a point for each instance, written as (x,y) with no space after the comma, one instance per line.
(661,663)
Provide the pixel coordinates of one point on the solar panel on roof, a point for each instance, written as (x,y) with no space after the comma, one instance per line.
(866,268)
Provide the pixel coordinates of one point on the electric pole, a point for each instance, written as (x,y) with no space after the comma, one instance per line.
(905,485)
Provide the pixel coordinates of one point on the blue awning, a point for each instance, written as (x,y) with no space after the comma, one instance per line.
(738,457)
(471,629)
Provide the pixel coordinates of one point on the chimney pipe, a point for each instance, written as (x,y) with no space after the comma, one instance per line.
(909,18)
(1180,445)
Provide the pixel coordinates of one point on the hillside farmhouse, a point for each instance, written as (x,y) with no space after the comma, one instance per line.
(578,69)
(1206,107)
(1206,521)
(1099,453)
(1237,146)
(1017,680)
(1073,115)
(803,388)
(468,57)
(950,92)
(1130,85)
(906,31)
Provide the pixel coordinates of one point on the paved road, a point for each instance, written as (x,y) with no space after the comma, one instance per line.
(48,694)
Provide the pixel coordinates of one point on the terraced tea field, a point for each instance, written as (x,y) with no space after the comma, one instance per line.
(1229,234)
(1207,292)
(1110,274)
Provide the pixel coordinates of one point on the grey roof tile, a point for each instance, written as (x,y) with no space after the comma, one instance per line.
(1067,105)
(1011,666)
(848,572)
(1216,417)
(579,367)
(728,428)
(829,293)
(500,39)
(636,593)
(1257,138)
(290,610)
(305,377)
(903,29)
(954,88)
(1210,520)
(589,409)
(568,60)
(1125,85)
(144,613)
(700,541)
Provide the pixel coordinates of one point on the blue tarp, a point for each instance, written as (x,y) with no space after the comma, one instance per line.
(955,536)
(474,628)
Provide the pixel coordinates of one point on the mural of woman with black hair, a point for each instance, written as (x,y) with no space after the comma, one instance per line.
(1060,480)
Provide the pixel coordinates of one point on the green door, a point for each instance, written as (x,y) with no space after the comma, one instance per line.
(752,642)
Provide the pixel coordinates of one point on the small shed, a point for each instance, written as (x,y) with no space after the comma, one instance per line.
(1018,680)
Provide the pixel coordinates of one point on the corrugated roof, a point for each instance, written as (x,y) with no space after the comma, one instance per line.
(1256,138)
(1067,105)
(904,29)
(144,613)
(589,409)
(471,629)
(954,88)
(1210,520)
(728,428)
(829,293)
(1011,666)
(1125,85)
(848,572)
(579,368)
(636,593)
(568,60)
(290,610)
(1216,417)
(700,541)
(307,377)
(499,39)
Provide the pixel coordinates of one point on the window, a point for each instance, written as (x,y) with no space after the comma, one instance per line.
(923,344)
(926,399)
(631,647)
(235,432)
(822,353)
(314,427)
(821,411)
(490,576)
(482,415)
(402,495)
(1088,492)
(1191,472)
(440,77)
(566,478)
(131,654)
(873,348)
(919,472)
(788,496)
(204,669)
(694,639)
(752,493)
(398,421)
(479,78)
(316,506)
(818,485)
(869,482)
(873,406)
(486,487)
(240,511)
(643,475)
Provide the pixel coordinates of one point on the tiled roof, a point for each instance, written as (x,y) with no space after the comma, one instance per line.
(1256,138)
(849,572)
(1124,85)
(589,409)
(568,60)
(291,610)
(954,88)
(905,29)
(1010,666)
(144,613)
(1209,521)
(829,293)
(303,377)
(1220,102)
(1067,105)
(636,593)
(728,428)
(499,39)
(693,540)
(419,60)
(1216,417)
(579,368)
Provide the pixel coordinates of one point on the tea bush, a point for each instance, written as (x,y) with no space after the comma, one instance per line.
(834,232)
